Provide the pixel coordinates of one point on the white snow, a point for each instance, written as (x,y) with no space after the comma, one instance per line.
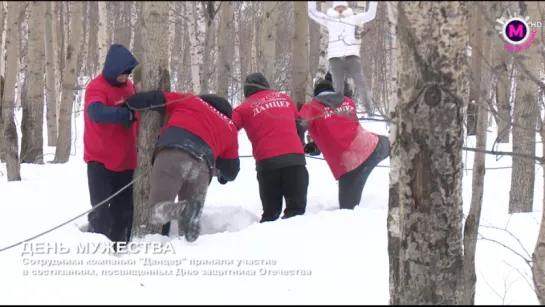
(345,251)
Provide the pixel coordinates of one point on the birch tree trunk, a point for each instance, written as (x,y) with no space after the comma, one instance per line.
(155,76)
(178,56)
(425,202)
(501,63)
(324,38)
(195,53)
(64,141)
(171,37)
(33,106)
(538,256)
(392,20)
(123,24)
(138,48)
(208,14)
(102,34)
(471,227)
(521,194)
(11,142)
(225,48)
(2,81)
(51,100)
(268,40)
(300,53)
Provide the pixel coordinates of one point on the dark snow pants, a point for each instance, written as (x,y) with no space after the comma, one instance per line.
(113,219)
(351,184)
(289,183)
(176,173)
(351,66)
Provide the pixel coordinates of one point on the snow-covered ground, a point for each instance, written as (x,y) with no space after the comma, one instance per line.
(334,256)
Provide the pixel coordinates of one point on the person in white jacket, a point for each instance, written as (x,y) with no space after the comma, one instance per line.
(343,49)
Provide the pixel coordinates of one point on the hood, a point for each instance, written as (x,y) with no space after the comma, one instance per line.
(330,99)
(331,12)
(219,103)
(118,60)
(340,3)
(255,83)
(325,94)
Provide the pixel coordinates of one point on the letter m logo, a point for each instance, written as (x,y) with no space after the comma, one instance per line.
(518,31)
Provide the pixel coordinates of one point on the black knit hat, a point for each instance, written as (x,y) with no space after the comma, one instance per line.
(219,103)
(255,83)
(323,86)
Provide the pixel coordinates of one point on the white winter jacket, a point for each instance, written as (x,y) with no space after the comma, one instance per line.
(341,29)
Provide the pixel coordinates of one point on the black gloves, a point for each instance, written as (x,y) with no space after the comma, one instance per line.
(131,118)
(150,100)
(221,180)
(311,149)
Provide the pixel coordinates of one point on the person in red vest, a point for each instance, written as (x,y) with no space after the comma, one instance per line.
(198,142)
(350,151)
(109,141)
(270,120)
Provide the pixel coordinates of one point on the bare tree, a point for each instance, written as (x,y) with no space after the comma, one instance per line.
(425,204)
(64,142)
(123,23)
(538,256)
(392,20)
(300,53)
(51,91)
(11,141)
(521,194)
(33,107)
(2,71)
(501,69)
(471,227)
(226,47)
(267,53)
(208,11)
(196,55)
(155,76)
(137,48)
(102,33)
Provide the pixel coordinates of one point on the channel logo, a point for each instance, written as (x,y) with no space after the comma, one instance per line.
(517,31)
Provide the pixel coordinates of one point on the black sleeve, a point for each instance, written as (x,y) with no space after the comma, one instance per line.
(151,100)
(228,169)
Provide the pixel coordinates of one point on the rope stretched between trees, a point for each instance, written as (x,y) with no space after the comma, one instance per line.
(134,181)
(107,200)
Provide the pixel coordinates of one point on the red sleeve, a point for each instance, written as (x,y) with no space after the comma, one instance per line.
(231,152)
(294,108)
(173,99)
(93,93)
(305,111)
(238,117)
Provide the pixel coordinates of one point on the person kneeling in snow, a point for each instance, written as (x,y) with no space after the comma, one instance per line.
(198,141)
(350,151)
(270,119)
